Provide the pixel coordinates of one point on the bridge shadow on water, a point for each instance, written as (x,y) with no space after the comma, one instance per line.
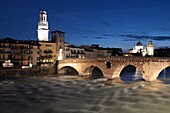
(165,75)
(96,73)
(130,73)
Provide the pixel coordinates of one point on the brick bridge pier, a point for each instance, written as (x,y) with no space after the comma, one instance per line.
(111,67)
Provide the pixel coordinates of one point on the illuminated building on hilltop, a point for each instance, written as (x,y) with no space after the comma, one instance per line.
(43,27)
(140,49)
(150,48)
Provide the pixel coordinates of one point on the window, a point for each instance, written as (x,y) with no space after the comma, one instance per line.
(21,47)
(48,45)
(9,56)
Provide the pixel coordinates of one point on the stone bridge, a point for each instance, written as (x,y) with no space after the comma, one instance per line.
(111,67)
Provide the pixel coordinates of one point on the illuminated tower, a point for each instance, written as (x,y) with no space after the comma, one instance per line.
(150,48)
(58,38)
(43,27)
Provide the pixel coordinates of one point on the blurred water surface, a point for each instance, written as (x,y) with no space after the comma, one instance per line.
(74,94)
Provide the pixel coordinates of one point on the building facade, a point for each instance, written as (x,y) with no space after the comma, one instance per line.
(47,53)
(150,48)
(20,52)
(34,53)
(5,49)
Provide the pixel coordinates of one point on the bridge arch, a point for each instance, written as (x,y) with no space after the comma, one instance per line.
(162,72)
(121,67)
(130,73)
(68,70)
(156,70)
(94,72)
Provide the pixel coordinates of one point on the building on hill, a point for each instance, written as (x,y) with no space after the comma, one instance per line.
(140,50)
(150,48)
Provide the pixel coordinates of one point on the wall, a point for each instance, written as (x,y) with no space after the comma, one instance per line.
(12,73)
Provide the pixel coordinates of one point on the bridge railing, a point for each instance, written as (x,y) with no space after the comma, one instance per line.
(117,59)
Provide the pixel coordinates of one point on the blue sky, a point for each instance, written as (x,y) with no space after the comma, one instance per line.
(110,23)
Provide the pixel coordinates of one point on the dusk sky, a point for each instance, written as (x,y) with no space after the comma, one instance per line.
(109,23)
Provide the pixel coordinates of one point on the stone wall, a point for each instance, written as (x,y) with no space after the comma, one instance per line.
(12,73)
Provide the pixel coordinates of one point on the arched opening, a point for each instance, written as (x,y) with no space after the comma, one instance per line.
(68,71)
(130,73)
(96,73)
(164,75)
(108,64)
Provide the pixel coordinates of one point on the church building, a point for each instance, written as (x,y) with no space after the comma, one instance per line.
(140,49)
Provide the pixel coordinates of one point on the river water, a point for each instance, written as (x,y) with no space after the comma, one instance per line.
(73,94)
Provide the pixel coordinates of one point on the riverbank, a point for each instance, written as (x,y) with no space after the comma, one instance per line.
(16,73)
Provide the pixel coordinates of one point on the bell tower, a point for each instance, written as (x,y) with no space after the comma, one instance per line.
(43,27)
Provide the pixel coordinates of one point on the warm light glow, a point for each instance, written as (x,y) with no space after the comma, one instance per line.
(30,65)
(60,56)
(7,64)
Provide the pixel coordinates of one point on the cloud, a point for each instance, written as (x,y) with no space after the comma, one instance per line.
(108,35)
(131,37)
(99,37)
(96,37)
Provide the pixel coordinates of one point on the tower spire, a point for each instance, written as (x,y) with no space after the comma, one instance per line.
(43,27)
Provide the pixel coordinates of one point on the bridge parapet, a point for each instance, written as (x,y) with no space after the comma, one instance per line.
(117,59)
